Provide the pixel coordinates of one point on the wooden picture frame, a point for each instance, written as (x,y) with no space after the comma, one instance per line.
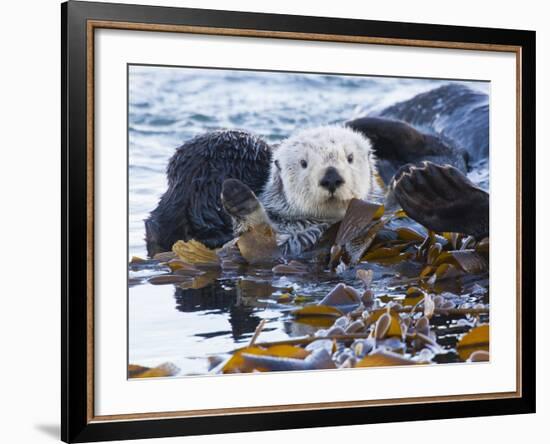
(79,22)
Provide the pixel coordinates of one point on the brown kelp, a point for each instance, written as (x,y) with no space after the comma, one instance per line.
(401,295)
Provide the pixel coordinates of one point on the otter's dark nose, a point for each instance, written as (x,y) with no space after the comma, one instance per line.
(331,180)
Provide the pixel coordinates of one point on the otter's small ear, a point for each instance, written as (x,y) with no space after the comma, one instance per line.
(278,165)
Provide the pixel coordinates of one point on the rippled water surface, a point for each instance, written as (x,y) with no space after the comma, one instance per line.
(167,106)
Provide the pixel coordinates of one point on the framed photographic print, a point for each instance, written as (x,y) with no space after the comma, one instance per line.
(275,221)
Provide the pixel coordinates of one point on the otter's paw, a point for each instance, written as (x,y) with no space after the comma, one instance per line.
(442,199)
(238,200)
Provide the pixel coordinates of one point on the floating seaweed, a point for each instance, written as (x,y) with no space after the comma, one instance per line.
(356,232)
(161,371)
(435,312)
(195,253)
(259,245)
(474,341)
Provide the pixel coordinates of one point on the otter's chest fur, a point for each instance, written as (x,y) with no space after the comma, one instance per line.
(297,233)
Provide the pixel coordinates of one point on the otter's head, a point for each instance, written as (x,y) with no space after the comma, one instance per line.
(320,170)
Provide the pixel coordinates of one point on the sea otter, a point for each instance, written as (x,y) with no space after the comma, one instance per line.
(313,176)
(304,184)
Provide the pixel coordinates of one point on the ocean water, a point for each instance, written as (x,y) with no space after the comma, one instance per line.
(169,105)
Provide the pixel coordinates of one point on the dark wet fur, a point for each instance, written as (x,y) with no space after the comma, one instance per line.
(452,112)
(191,207)
(442,199)
(397,143)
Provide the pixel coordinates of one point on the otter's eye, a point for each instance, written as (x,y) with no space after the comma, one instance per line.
(303,163)
(350,158)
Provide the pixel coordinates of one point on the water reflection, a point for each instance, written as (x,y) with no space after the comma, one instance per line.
(238,300)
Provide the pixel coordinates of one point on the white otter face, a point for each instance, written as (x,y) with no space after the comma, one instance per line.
(322,169)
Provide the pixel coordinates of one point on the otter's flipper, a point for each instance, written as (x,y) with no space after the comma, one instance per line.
(240,202)
(442,199)
(397,143)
